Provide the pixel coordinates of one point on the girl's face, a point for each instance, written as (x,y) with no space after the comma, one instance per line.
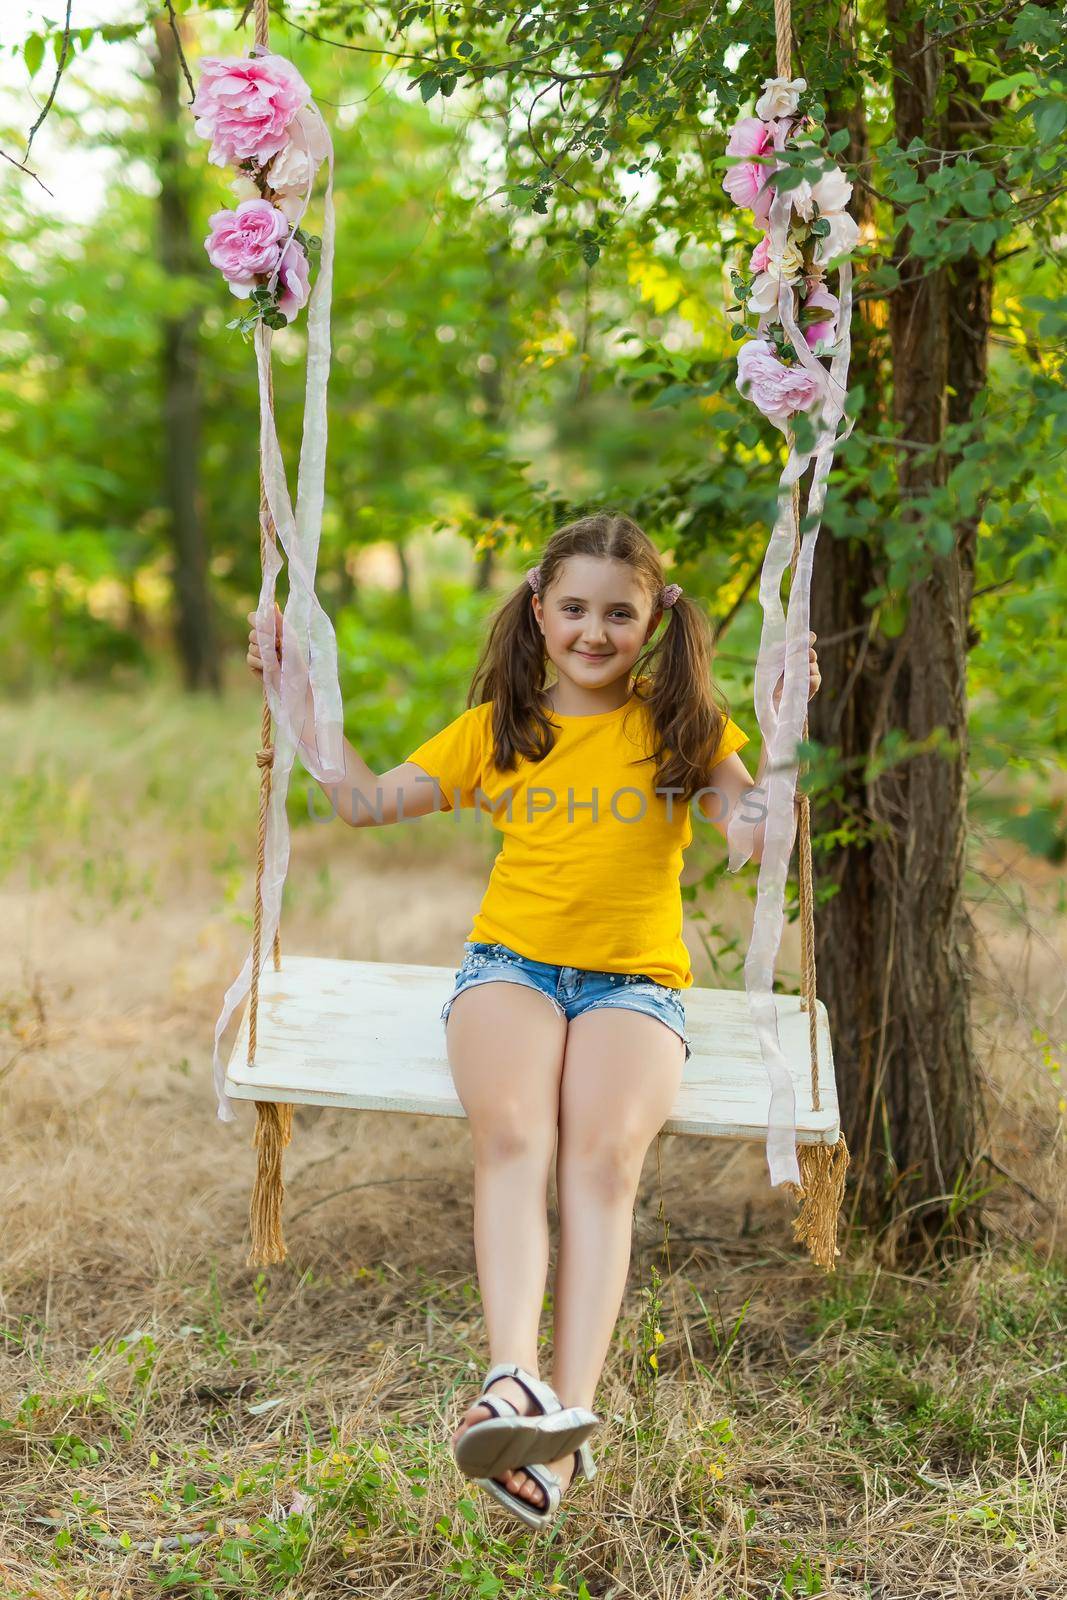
(596,619)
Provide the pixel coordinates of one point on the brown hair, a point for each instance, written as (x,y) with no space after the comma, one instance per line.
(673,673)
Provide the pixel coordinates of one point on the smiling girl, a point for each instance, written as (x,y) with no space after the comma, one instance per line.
(565,1028)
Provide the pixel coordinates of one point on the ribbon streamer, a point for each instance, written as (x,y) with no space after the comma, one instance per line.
(309,645)
(784,648)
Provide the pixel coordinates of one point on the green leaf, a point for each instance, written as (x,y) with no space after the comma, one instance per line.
(671,395)
(1050,119)
(974,203)
(33,53)
(1000,88)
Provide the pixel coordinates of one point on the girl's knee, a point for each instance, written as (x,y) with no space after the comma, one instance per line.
(607,1163)
(507,1134)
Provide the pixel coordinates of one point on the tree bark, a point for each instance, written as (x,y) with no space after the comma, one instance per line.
(892,954)
(179,336)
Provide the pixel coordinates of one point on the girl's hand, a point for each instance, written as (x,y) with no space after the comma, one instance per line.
(814,676)
(254,659)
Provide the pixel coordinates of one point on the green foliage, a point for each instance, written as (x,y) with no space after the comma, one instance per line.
(528,320)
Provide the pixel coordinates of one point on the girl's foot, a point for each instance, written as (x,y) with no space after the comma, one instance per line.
(516,1479)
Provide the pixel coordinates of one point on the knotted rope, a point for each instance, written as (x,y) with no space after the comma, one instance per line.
(274,1123)
(822,1167)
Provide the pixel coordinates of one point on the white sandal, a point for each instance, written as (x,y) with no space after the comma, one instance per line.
(540,1516)
(511,1439)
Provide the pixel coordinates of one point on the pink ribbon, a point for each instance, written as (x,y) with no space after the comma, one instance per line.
(784,648)
(309,645)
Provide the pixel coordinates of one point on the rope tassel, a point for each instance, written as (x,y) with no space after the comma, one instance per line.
(822,1171)
(274,1129)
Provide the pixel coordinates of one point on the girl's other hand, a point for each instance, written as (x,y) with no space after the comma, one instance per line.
(814,676)
(254,658)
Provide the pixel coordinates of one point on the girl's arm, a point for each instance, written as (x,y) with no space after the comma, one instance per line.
(361,798)
(732,784)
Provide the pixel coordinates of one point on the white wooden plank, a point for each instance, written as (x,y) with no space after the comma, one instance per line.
(368,1034)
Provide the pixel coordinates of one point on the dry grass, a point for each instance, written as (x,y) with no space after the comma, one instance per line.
(173,1422)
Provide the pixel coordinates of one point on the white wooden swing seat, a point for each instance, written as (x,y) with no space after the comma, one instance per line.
(368,1034)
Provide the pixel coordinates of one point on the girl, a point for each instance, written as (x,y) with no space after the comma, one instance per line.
(565,1030)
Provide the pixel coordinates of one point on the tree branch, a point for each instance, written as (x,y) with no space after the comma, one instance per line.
(55,85)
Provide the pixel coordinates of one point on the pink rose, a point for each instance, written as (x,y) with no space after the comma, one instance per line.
(820,296)
(244,105)
(743,184)
(749,137)
(292,281)
(775,389)
(757,261)
(246,242)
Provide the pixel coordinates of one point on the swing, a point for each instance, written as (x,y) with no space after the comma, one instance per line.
(367,1034)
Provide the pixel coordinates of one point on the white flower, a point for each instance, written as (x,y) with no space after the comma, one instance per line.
(780,97)
(800,199)
(843,237)
(295,165)
(763,296)
(291,204)
(244,189)
(790,264)
(831,193)
(292,168)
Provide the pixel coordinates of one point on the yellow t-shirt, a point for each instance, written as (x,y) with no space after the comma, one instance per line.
(571,885)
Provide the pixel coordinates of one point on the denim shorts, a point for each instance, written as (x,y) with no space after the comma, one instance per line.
(572,990)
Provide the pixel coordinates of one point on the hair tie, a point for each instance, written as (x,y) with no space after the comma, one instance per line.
(533,578)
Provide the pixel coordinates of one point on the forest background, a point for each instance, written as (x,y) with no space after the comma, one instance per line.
(530,318)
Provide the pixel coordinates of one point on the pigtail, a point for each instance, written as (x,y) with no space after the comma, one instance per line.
(688,711)
(511,673)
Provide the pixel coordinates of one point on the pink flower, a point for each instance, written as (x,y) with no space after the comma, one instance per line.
(743,184)
(246,242)
(821,296)
(775,389)
(292,281)
(244,105)
(757,261)
(749,137)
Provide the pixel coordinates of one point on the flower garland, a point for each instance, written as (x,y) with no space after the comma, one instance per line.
(771,372)
(257,112)
(806,231)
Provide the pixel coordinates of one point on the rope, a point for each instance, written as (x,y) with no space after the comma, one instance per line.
(783,34)
(822,1167)
(274,1123)
(804,875)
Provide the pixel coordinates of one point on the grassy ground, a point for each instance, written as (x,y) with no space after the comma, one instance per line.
(174,1422)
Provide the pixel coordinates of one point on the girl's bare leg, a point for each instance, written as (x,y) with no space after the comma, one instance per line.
(505,1048)
(621,1074)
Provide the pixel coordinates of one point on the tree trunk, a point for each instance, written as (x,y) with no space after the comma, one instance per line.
(892,959)
(179,333)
